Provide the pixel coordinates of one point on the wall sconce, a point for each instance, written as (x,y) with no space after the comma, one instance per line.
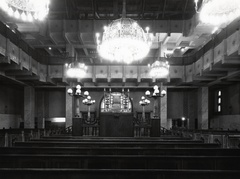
(156,94)
(144,102)
(76,92)
(88,101)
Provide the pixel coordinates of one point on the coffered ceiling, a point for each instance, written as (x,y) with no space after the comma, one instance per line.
(69,33)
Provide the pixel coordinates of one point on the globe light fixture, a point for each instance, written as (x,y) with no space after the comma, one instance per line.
(88,101)
(124,40)
(76,70)
(77,93)
(159,69)
(217,12)
(26,10)
(156,94)
(144,102)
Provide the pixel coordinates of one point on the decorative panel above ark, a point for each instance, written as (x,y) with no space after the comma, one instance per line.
(116,102)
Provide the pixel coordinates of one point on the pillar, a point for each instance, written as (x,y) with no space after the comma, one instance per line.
(69,111)
(29,107)
(40,108)
(69,99)
(163,109)
(203,108)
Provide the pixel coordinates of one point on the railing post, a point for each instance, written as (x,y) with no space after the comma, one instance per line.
(38,134)
(31,134)
(44,132)
(227,141)
(22,136)
(97,130)
(6,140)
(10,140)
(224,141)
(194,136)
(210,138)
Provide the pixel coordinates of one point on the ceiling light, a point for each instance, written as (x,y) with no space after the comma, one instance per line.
(218,12)
(26,8)
(76,70)
(159,69)
(124,40)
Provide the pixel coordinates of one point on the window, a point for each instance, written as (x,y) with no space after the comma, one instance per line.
(219,101)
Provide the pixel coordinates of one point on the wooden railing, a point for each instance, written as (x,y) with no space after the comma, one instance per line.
(225,138)
(9,136)
(142,128)
(90,127)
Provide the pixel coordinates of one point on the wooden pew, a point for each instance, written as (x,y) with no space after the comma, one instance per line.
(116,174)
(120,161)
(154,144)
(121,151)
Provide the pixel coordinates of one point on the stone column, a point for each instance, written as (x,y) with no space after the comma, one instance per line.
(203,108)
(29,107)
(40,108)
(69,109)
(163,109)
(69,99)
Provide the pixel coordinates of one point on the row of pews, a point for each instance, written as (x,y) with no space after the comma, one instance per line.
(165,157)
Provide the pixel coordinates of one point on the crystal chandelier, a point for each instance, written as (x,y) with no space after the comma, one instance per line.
(76,70)
(217,12)
(159,69)
(26,10)
(124,40)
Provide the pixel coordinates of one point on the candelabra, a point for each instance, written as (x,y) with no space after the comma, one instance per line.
(76,92)
(156,94)
(88,101)
(144,102)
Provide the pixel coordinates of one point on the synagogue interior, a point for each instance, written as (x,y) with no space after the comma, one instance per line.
(120,89)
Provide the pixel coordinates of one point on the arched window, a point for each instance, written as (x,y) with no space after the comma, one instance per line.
(116,102)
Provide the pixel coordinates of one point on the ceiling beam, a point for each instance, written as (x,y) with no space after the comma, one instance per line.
(185,8)
(164,8)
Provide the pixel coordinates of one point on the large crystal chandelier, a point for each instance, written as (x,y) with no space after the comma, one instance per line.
(26,10)
(76,70)
(217,12)
(159,69)
(124,40)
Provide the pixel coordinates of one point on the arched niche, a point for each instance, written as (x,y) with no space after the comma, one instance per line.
(116,102)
